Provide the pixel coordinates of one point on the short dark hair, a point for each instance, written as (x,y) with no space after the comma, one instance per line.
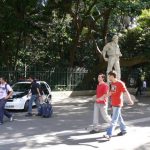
(33,78)
(4,78)
(112,73)
(103,76)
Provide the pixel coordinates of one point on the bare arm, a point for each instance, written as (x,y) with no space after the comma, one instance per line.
(98,48)
(29,93)
(9,95)
(102,97)
(38,91)
(129,97)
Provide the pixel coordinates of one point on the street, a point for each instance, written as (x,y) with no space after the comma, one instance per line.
(67,128)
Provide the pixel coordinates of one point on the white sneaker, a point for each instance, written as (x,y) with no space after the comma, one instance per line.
(107,137)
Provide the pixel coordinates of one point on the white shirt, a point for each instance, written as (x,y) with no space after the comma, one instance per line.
(144,84)
(3,90)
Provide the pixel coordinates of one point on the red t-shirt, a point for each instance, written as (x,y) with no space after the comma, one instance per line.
(100,91)
(117,89)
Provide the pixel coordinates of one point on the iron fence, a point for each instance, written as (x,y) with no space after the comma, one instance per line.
(66,78)
(58,79)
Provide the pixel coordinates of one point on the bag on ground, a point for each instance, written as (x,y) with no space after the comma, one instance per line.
(46,110)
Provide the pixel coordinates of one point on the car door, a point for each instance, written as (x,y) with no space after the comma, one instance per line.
(44,88)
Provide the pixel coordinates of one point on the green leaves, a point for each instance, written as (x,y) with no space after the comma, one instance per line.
(144,19)
(61,32)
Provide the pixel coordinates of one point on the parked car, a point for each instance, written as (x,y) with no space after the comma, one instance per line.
(19,100)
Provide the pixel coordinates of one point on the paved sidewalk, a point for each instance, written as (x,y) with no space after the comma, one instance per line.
(66,129)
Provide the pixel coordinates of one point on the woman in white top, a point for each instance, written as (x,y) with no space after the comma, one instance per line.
(5,92)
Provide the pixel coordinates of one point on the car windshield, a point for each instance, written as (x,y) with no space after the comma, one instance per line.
(21,87)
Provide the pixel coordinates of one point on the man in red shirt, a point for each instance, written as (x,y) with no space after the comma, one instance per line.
(116,93)
(101,103)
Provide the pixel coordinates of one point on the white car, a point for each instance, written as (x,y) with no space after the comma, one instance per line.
(19,100)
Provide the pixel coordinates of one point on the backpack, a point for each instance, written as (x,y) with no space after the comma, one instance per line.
(6,89)
(45,110)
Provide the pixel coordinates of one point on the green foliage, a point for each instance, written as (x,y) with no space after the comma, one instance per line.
(128,43)
(144,19)
(136,41)
(54,33)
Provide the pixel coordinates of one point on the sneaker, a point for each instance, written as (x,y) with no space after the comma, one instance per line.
(28,115)
(121,133)
(11,118)
(93,131)
(107,136)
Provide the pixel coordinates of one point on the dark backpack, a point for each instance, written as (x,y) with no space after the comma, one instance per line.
(6,89)
(46,110)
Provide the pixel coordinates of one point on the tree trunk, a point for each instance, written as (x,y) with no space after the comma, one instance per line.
(106,17)
(73,51)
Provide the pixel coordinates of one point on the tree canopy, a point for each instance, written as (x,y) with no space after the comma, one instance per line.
(45,34)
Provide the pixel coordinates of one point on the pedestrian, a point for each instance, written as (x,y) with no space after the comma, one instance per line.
(5,93)
(144,85)
(101,103)
(139,85)
(35,96)
(117,88)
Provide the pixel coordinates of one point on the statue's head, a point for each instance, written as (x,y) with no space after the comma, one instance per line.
(115,38)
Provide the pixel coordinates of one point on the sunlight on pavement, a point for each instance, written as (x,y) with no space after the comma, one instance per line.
(74,139)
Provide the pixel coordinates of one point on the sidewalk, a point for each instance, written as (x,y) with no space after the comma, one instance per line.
(66,129)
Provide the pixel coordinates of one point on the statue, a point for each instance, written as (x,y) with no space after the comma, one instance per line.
(113,52)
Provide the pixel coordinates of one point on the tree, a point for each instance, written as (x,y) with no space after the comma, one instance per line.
(56,33)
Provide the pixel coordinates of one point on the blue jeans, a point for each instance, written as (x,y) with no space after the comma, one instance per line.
(3,111)
(116,118)
(34,98)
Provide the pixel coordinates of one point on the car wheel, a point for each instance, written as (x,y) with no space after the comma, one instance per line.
(26,106)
